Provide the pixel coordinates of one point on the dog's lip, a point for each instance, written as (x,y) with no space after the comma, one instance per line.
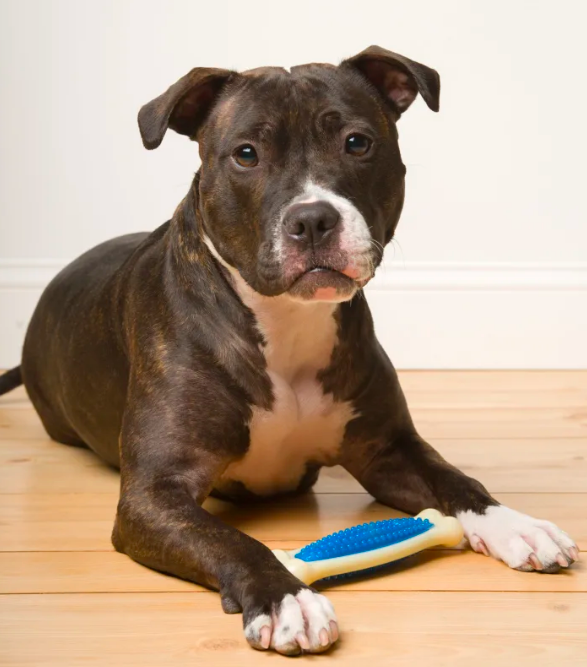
(328,269)
(349,273)
(325,270)
(316,269)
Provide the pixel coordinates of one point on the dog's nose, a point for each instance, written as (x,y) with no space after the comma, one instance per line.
(310,223)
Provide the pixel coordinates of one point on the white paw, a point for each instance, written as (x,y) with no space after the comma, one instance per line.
(304,622)
(519,540)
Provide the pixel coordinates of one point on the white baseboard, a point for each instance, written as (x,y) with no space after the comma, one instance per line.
(427,315)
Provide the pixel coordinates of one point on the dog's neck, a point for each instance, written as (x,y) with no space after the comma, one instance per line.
(299,335)
(187,245)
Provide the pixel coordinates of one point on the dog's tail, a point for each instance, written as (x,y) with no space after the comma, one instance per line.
(10,380)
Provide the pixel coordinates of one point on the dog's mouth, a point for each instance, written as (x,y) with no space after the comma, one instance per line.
(322,283)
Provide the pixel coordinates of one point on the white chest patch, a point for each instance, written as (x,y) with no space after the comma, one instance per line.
(304,425)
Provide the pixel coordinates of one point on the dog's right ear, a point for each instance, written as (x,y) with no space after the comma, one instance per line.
(396,77)
(183,107)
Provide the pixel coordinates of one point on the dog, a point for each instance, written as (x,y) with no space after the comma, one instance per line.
(231,352)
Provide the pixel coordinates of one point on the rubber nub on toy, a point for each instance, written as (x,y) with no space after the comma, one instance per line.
(365,537)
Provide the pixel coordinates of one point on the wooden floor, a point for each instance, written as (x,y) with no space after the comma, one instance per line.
(68,599)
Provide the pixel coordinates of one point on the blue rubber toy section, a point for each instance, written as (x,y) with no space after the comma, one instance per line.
(365,537)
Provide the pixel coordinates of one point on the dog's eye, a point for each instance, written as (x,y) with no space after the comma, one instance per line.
(357,144)
(246,156)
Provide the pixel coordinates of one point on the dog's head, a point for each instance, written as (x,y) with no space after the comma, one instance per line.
(302,181)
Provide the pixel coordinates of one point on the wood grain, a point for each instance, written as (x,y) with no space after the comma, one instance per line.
(511,465)
(83,521)
(67,598)
(514,382)
(411,628)
(111,572)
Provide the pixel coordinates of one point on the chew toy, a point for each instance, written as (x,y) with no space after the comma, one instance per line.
(370,545)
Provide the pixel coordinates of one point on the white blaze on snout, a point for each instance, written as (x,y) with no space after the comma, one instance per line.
(355,237)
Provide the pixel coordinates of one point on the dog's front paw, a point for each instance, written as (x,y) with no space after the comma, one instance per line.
(302,622)
(522,542)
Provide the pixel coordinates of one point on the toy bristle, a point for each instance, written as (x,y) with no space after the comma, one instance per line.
(365,537)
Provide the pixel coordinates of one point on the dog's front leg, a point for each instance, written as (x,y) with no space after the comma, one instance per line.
(407,473)
(400,469)
(160,522)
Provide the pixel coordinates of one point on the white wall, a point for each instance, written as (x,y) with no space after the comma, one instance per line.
(489,268)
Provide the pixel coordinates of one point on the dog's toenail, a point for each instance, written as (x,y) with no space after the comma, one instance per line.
(265,636)
(482,548)
(536,564)
(324,640)
(334,630)
(562,561)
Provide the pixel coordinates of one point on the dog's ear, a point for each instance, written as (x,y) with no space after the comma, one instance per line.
(183,107)
(397,78)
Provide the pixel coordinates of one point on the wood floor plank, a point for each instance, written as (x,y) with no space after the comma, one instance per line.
(525,465)
(483,381)
(501,423)
(403,629)
(83,521)
(49,467)
(111,572)
(522,465)
(494,399)
(503,466)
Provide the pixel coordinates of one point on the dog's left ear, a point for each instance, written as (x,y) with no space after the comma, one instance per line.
(183,107)
(397,78)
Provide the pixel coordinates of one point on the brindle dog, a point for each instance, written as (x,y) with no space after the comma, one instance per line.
(231,351)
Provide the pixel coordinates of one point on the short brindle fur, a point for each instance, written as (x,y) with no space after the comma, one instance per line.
(153,351)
